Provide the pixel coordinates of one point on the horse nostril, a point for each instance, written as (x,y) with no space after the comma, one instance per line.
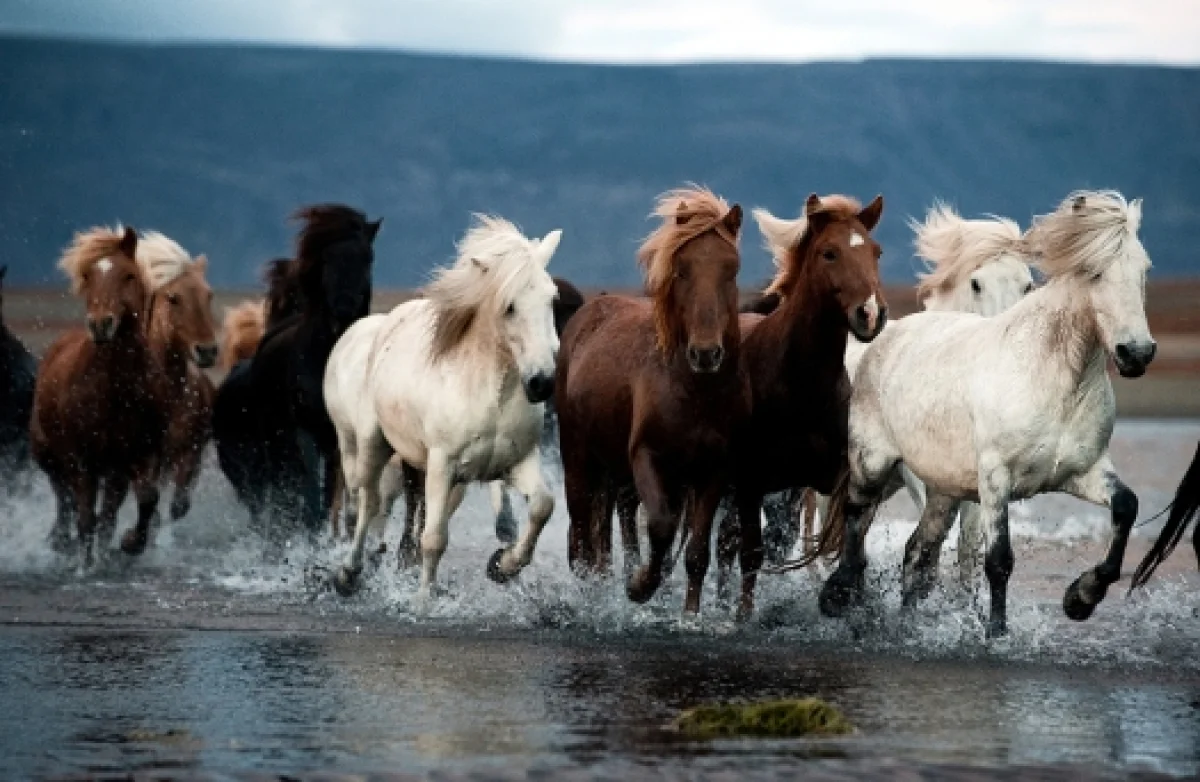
(1150,351)
(1124,354)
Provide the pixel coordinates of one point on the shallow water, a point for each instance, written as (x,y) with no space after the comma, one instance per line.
(205,657)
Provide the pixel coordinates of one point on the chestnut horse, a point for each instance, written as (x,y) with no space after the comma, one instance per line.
(98,412)
(649,394)
(183,340)
(18,370)
(797,435)
(246,323)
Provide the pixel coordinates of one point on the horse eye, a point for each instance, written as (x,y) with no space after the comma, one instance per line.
(128,278)
(1028,287)
(173,298)
(512,308)
(829,255)
(976,287)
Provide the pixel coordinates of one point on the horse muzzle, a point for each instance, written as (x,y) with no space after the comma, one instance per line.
(538,387)
(705,360)
(868,319)
(1132,358)
(205,355)
(102,329)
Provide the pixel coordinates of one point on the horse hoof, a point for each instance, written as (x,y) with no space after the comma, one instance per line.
(1074,604)
(838,596)
(407,557)
(345,581)
(62,544)
(642,586)
(497,573)
(997,628)
(180,508)
(133,543)
(745,613)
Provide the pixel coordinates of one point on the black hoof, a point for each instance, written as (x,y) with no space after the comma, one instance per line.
(62,544)
(134,543)
(840,594)
(345,581)
(997,628)
(180,507)
(642,585)
(1074,604)
(495,572)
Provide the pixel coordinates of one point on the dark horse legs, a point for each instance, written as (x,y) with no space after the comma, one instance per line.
(663,509)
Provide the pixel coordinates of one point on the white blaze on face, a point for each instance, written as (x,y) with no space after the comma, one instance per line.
(856,240)
(872,308)
(104,265)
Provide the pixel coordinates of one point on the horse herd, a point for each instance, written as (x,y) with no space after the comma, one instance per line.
(678,411)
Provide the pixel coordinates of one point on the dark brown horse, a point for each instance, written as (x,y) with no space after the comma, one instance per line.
(649,394)
(797,434)
(182,339)
(18,369)
(98,413)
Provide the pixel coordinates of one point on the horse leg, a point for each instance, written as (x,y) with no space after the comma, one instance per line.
(507,528)
(604,503)
(145,488)
(661,522)
(187,472)
(335,487)
(66,513)
(749,507)
(527,477)
(994,493)
(864,489)
(1102,486)
(703,508)
(811,501)
(781,530)
(728,534)
(924,547)
(435,537)
(116,487)
(372,459)
(581,487)
(970,543)
(627,513)
(413,484)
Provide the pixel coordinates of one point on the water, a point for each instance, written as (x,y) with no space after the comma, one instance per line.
(205,657)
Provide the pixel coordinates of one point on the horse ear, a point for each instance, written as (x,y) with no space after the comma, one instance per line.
(681,213)
(548,245)
(871,213)
(129,242)
(733,219)
(1079,203)
(200,262)
(812,204)
(1135,215)
(373,229)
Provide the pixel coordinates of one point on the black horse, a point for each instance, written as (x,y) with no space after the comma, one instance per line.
(279,446)
(1184,509)
(18,372)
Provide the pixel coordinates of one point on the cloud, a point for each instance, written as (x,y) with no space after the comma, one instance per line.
(1165,31)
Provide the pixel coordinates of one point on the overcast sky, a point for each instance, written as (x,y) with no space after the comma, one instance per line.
(1153,31)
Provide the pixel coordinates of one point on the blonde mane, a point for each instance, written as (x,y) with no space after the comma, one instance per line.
(495,262)
(242,330)
(1086,234)
(703,211)
(161,259)
(87,248)
(782,238)
(953,249)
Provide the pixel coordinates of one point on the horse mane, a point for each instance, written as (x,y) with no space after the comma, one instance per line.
(244,325)
(783,238)
(686,213)
(495,261)
(87,248)
(953,248)
(1085,235)
(324,225)
(283,290)
(161,259)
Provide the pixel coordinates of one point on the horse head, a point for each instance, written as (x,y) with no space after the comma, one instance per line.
(184,312)
(830,251)
(691,264)
(334,258)
(104,272)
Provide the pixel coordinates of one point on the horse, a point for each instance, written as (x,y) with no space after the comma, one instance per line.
(454,388)
(18,372)
(650,393)
(284,404)
(1004,408)
(975,266)
(182,339)
(1184,509)
(240,451)
(241,331)
(98,409)
(828,283)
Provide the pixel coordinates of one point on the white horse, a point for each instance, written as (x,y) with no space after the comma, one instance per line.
(1004,408)
(452,385)
(977,266)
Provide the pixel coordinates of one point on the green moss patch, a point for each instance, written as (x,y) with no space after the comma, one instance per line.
(775,719)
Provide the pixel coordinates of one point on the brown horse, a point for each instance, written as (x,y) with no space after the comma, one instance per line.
(241,331)
(98,412)
(797,435)
(649,394)
(183,340)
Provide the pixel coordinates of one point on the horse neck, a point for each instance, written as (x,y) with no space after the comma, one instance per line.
(170,352)
(128,353)
(1066,332)
(808,333)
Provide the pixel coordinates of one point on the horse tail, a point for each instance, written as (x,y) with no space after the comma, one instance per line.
(833,528)
(242,330)
(1183,510)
